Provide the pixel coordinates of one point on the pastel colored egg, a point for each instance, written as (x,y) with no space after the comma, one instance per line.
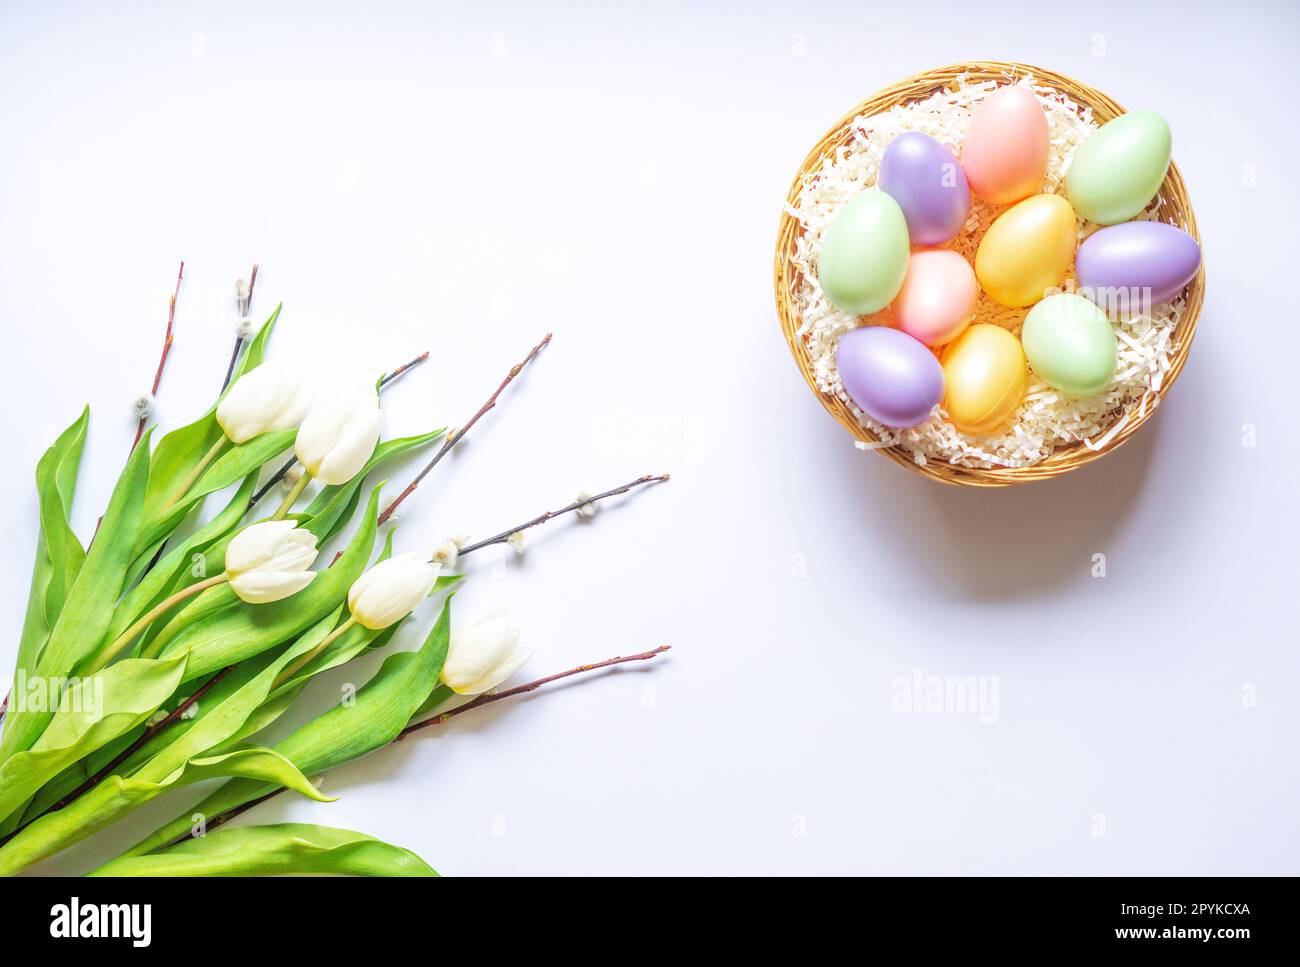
(891,376)
(1006,147)
(937,300)
(929,185)
(1129,267)
(864,254)
(984,372)
(1027,250)
(1118,170)
(1070,344)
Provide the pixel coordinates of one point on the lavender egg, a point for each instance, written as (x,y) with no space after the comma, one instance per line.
(928,184)
(1117,266)
(890,375)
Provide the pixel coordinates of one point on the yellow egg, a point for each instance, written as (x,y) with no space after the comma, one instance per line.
(1027,250)
(984,371)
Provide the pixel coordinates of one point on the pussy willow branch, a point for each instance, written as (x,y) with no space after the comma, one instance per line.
(157,378)
(279,474)
(244,302)
(166,351)
(389,377)
(456,435)
(505,535)
(490,697)
(243,305)
(222,818)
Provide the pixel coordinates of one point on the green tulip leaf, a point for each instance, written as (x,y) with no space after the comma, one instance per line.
(157,583)
(89,606)
(271,850)
(224,719)
(117,796)
(369,721)
(232,466)
(92,713)
(56,476)
(231,698)
(59,554)
(91,765)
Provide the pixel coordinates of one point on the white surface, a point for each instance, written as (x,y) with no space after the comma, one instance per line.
(462,179)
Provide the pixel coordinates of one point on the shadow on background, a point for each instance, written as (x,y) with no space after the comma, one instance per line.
(1011,542)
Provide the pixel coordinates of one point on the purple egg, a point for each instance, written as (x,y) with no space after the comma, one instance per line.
(928,184)
(1129,266)
(892,376)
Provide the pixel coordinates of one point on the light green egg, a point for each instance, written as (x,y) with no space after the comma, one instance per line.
(864,254)
(1070,344)
(1117,171)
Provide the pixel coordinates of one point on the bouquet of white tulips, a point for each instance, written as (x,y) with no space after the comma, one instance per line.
(154,656)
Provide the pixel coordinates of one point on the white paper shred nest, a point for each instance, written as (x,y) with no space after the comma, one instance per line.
(1046,419)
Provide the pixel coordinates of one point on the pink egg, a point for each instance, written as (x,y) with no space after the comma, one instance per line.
(1005,151)
(937,301)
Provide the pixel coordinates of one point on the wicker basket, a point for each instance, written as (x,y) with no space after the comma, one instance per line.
(1174,207)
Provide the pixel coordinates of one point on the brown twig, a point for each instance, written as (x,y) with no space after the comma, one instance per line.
(157,376)
(505,535)
(224,817)
(279,474)
(389,377)
(456,435)
(166,351)
(489,698)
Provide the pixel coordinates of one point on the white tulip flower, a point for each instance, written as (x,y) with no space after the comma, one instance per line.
(269,561)
(339,433)
(264,562)
(390,590)
(271,397)
(483,655)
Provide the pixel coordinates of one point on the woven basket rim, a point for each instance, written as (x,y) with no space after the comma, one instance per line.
(1175,207)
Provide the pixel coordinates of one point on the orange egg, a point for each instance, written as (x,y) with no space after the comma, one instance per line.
(1005,151)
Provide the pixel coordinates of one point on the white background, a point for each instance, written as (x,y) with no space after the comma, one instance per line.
(463,178)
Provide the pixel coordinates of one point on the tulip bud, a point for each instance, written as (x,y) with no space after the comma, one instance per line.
(390,590)
(270,397)
(339,434)
(483,655)
(269,561)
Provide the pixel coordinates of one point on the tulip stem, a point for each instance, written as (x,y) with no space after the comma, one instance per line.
(302,660)
(292,496)
(276,477)
(197,472)
(505,535)
(224,817)
(148,618)
(455,436)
